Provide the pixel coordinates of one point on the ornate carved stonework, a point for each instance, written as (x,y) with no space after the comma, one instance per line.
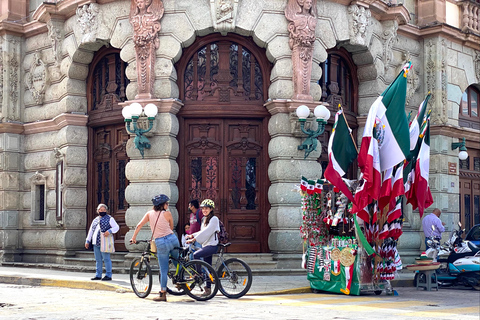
(145,18)
(1,74)
(59,156)
(11,77)
(88,22)
(302,17)
(55,33)
(477,66)
(224,13)
(36,78)
(37,178)
(413,80)
(436,64)
(390,37)
(359,20)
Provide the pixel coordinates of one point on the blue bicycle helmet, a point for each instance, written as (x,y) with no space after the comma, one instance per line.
(160,199)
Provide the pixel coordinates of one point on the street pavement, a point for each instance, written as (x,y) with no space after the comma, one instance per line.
(262,285)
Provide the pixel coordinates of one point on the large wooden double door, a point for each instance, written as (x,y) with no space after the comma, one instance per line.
(225,161)
(107,156)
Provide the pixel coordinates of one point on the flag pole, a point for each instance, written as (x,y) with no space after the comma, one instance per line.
(349,130)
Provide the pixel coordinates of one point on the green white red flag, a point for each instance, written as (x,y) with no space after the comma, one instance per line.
(422,167)
(341,153)
(385,141)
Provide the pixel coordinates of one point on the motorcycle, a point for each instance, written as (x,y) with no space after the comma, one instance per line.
(459,260)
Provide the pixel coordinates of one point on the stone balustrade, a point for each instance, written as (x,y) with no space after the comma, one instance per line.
(470,16)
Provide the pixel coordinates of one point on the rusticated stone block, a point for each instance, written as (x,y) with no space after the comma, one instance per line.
(74,198)
(283,147)
(74,176)
(135,192)
(285,240)
(292,170)
(285,217)
(282,194)
(279,124)
(75,156)
(179,25)
(161,146)
(281,89)
(75,219)
(169,47)
(152,170)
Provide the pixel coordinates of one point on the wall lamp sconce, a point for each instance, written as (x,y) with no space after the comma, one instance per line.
(322,114)
(463,154)
(131,114)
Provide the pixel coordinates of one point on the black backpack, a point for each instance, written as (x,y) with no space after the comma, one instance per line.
(222,234)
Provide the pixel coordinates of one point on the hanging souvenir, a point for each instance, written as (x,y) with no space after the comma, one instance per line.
(336,261)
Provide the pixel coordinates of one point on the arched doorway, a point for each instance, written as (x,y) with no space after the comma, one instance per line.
(107,139)
(223,136)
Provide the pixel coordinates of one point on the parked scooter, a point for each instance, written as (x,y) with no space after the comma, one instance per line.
(460,260)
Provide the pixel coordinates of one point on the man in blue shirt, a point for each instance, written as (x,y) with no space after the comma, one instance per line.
(433,219)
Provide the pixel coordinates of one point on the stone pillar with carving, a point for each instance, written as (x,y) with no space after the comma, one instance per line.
(145,18)
(302,18)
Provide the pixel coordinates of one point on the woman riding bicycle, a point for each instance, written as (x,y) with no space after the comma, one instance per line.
(206,236)
(161,224)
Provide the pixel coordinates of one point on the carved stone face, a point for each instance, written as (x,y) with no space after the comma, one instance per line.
(142,4)
(307,5)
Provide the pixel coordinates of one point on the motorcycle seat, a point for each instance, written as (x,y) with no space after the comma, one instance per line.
(473,247)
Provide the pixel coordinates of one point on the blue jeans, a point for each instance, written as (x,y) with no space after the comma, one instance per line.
(206,253)
(100,258)
(165,247)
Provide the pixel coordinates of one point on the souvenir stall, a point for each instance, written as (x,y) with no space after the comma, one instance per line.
(337,257)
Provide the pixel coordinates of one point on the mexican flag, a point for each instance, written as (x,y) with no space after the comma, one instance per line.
(417,123)
(387,123)
(396,211)
(303,184)
(422,167)
(386,189)
(398,187)
(341,153)
(311,187)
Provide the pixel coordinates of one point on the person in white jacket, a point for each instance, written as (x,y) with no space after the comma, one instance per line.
(207,236)
(107,225)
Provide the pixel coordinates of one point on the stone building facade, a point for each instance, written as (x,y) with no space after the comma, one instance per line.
(69,67)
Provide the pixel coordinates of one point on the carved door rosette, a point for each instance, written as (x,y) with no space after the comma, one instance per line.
(302,18)
(224,14)
(36,78)
(145,18)
(87,18)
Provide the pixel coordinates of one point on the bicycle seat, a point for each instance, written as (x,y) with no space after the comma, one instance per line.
(223,245)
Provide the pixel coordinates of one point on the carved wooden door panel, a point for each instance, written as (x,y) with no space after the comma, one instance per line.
(223,162)
(108,176)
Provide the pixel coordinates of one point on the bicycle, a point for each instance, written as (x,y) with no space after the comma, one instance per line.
(190,277)
(234,274)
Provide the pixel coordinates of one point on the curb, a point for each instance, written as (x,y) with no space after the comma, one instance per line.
(286,291)
(73,284)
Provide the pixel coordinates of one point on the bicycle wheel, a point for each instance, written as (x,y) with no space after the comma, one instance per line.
(196,275)
(141,277)
(173,286)
(235,278)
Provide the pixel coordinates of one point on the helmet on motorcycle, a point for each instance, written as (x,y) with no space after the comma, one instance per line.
(208,203)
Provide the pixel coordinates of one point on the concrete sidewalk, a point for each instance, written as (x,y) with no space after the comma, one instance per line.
(262,285)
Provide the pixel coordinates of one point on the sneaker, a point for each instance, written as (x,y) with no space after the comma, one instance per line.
(106,278)
(207,292)
(96,278)
(161,297)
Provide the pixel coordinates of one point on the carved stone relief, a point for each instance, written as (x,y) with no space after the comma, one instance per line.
(477,66)
(437,64)
(413,80)
(55,33)
(302,17)
(1,75)
(358,22)
(390,37)
(145,18)
(36,78)
(224,13)
(37,178)
(88,22)
(11,76)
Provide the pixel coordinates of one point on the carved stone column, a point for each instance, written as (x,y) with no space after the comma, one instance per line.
(145,18)
(302,17)
(10,75)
